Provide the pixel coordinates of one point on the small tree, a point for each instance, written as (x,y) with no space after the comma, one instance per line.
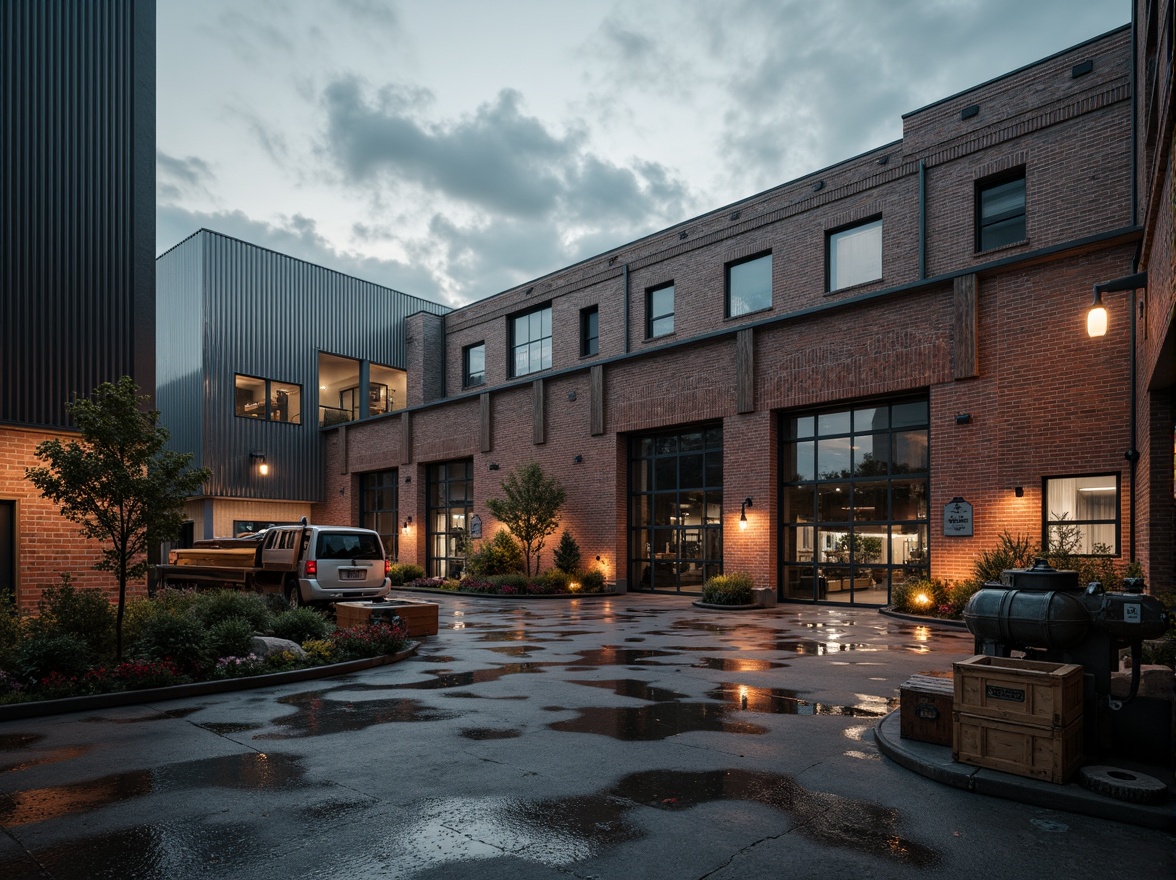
(530,509)
(567,553)
(118,483)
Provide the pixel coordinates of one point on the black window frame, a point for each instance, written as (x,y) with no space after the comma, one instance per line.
(727,284)
(589,331)
(442,506)
(379,495)
(832,234)
(650,318)
(1117,522)
(467,378)
(514,345)
(982,224)
(269,396)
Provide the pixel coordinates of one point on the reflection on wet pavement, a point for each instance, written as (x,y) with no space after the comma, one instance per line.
(318,715)
(490,733)
(632,687)
(649,723)
(725,664)
(778,701)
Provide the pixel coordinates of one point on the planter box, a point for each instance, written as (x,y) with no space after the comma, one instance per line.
(1020,691)
(925,709)
(1047,753)
(421,618)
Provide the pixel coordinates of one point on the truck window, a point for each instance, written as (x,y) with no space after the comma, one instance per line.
(342,545)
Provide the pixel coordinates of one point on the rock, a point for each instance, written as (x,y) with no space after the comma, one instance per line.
(263,646)
(1154,681)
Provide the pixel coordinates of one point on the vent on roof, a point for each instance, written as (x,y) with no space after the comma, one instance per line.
(734,215)
(969,112)
(682,234)
(1082,69)
(818,186)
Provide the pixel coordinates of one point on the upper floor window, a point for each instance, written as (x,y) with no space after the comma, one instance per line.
(1000,210)
(267,399)
(854,254)
(659,311)
(530,341)
(1081,515)
(589,331)
(749,285)
(473,365)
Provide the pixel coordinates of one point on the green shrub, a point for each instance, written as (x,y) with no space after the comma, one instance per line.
(728,589)
(556,580)
(370,640)
(43,655)
(1010,552)
(567,553)
(519,581)
(85,614)
(230,637)
(176,637)
(12,631)
(300,625)
(403,572)
(500,555)
(213,606)
(591,581)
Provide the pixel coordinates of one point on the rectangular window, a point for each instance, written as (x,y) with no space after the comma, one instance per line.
(749,285)
(473,365)
(379,508)
(268,400)
(530,341)
(1000,210)
(659,311)
(449,499)
(589,331)
(854,255)
(1081,515)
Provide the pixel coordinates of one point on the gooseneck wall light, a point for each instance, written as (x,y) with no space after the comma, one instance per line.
(743,512)
(1096,326)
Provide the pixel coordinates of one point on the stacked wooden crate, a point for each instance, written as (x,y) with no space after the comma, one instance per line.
(1019,716)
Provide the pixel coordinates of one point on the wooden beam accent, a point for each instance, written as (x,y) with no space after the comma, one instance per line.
(538,413)
(406,437)
(965,352)
(745,371)
(484,419)
(596,399)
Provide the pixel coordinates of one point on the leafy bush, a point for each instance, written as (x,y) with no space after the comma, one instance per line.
(1010,552)
(591,581)
(85,614)
(132,675)
(239,666)
(300,624)
(319,651)
(369,640)
(12,632)
(230,638)
(518,581)
(500,555)
(404,572)
(557,581)
(728,589)
(43,655)
(213,606)
(567,553)
(176,637)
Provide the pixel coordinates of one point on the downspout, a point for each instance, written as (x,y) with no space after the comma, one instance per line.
(922,219)
(1134,125)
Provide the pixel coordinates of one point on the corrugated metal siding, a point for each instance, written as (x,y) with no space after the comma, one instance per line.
(269,315)
(77,201)
(179,345)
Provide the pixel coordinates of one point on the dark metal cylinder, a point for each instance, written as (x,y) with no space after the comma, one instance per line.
(1027,618)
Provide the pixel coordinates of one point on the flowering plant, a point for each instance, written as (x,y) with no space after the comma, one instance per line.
(369,640)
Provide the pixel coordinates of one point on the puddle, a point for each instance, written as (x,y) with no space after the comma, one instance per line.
(51,757)
(433,658)
(735,665)
(481,733)
(811,646)
(520,651)
(656,722)
(632,687)
(169,715)
(470,695)
(226,728)
(779,701)
(611,655)
(250,772)
(10,741)
(317,715)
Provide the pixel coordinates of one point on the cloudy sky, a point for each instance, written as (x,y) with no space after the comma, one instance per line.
(454,148)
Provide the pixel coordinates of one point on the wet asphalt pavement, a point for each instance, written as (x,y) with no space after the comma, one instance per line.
(634,736)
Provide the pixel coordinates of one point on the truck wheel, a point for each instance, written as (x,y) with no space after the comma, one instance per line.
(293,595)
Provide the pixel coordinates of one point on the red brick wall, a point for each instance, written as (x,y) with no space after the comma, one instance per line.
(47,544)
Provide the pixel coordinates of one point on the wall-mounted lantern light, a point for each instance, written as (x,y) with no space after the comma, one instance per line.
(407,525)
(1019,491)
(1096,318)
(577,459)
(257,460)
(743,512)
(492,466)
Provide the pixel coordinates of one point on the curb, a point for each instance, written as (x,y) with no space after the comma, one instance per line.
(935,763)
(711,606)
(90,702)
(429,591)
(925,621)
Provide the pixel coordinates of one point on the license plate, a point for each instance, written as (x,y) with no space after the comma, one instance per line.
(352,574)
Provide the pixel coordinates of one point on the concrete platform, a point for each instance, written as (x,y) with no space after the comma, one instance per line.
(935,762)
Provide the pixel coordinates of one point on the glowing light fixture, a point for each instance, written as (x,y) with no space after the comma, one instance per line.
(743,513)
(257,459)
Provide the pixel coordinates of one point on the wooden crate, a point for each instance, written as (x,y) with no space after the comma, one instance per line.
(924,709)
(1021,691)
(421,618)
(1048,753)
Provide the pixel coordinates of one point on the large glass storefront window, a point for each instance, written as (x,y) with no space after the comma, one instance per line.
(379,505)
(676,506)
(853,501)
(450,498)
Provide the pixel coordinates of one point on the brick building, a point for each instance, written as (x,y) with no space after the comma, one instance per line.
(808,384)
